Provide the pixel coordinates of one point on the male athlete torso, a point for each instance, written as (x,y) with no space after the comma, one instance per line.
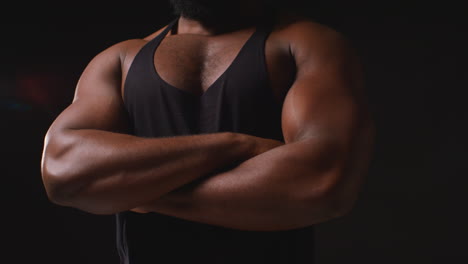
(309,174)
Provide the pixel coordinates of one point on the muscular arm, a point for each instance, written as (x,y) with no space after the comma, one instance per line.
(90,163)
(316,175)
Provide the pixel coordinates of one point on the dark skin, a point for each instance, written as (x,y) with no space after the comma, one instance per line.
(90,162)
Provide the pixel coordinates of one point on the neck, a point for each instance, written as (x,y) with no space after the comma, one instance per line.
(221,24)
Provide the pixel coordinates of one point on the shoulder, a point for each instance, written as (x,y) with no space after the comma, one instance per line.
(118,53)
(297,24)
(308,39)
(119,56)
(129,47)
(297,28)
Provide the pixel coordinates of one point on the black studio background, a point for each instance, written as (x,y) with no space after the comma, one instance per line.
(411,209)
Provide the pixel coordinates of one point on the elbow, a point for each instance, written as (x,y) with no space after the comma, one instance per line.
(327,204)
(58,175)
(66,175)
(55,191)
(66,187)
(57,183)
(339,203)
(63,191)
(339,207)
(325,210)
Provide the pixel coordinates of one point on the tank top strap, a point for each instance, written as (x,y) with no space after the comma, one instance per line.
(156,40)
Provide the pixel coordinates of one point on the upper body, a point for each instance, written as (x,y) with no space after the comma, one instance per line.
(192,57)
(91,163)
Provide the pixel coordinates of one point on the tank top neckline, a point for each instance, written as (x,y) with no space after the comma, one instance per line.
(158,39)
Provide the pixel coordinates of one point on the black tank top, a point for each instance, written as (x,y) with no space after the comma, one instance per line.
(240,100)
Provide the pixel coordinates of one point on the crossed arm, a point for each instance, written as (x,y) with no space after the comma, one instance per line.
(313,177)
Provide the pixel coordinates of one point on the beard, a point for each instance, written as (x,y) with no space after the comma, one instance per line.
(208,11)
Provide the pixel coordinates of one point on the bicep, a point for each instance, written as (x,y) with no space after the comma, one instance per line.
(327,98)
(326,105)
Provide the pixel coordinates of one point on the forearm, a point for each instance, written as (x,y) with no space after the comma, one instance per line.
(104,172)
(277,190)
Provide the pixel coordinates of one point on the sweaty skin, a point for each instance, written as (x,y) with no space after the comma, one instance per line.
(90,162)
